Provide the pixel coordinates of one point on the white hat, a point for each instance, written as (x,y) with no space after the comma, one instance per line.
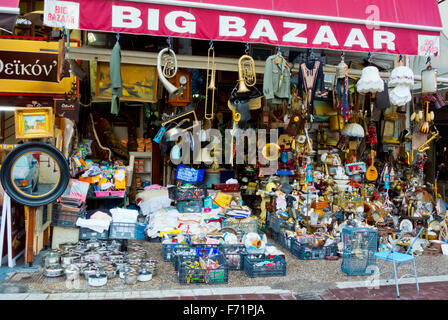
(370,81)
(401,75)
(353,130)
(400,95)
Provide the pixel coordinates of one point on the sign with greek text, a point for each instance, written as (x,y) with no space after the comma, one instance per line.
(30,66)
(61,14)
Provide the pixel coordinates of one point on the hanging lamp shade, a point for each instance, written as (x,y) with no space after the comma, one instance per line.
(370,81)
(429,81)
(401,75)
(353,130)
(400,95)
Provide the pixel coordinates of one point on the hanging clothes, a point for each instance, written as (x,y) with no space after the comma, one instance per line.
(115,78)
(342,97)
(277,80)
(311,75)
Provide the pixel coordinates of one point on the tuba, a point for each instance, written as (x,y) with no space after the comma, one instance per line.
(166,69)
(210,84)
(246,73)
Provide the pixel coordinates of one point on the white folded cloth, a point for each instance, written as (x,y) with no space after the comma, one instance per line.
(124,215)
(97,225)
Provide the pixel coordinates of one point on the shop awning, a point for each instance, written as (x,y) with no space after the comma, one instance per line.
(408,27)
(9,11)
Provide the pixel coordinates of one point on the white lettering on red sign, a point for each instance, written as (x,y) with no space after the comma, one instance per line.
(183,22)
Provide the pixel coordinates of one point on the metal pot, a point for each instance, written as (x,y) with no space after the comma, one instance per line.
(92,257)
(69,258)
(65,247)
(130,277)
(53,271)
(89,270)
(111,272)
(93,244)
(52,258)
(81,264)
(72,272)
(144,275)
(133,258)
(125,270)
(98,279)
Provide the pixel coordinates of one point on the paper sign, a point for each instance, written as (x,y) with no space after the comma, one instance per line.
(428,45)
(61,14)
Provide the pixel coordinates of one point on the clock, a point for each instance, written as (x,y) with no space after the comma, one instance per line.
(182,79)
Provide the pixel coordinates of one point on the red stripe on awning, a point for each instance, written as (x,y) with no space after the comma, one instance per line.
(408,27)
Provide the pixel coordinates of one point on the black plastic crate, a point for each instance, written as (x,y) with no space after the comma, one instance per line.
(64,218)
(187,274)
(168,249)
(277,224)
(234,254)
(305,251)
(122,230)
(264,266)
(86,233)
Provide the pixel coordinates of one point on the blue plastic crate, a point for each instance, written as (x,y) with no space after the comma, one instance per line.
(263,266)
(121,230)
(168,248)
(304,251)
(141,231)
(187,274)
(331,250)
(198,250)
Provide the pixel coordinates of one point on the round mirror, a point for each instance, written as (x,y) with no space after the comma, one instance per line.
(35,174)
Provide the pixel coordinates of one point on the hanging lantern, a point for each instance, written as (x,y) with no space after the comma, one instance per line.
(370,81)
(353,130)
(341,69)
(429,80)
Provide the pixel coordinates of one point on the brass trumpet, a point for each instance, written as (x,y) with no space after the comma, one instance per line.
(246,73)
(425,146)
(210,84)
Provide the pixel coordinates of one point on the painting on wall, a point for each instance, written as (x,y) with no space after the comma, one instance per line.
(139,82)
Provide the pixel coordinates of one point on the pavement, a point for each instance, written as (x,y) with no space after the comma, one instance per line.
(304,280)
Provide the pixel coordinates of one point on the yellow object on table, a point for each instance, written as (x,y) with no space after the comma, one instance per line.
(223,199)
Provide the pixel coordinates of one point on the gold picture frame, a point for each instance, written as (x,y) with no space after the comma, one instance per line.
(34,123)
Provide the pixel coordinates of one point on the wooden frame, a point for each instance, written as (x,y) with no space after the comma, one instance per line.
(41,118)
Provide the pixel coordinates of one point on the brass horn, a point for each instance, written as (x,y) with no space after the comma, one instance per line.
(271,151)
(425,146)
(166,69)
(210,84)
(246,73)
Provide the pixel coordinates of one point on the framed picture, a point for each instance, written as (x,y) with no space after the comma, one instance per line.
(139,82)
(33,123)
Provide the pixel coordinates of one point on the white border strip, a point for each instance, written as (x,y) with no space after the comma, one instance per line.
(408,280)
(285,14)
(9,10)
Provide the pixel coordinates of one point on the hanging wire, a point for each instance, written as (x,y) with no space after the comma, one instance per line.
(168,41)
